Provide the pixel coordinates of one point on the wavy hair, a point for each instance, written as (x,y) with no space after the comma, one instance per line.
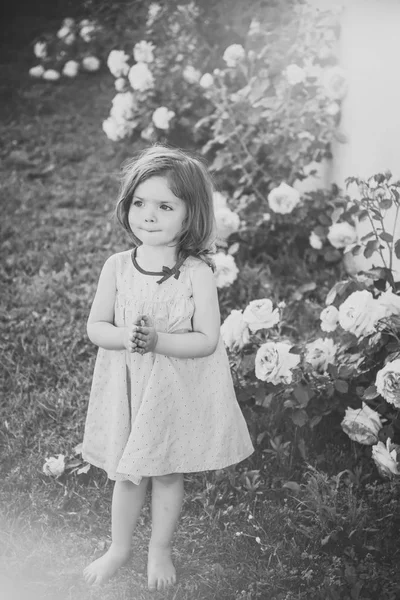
(189,180)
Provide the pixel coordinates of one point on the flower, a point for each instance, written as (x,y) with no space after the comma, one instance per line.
(332,109)
(234,331)
(274,363)
(120,84)
(36,71)
(206,81)
(320,354)
(69,39)
(294,74)
(315,241)
(329,318)
(140,77)
(390,303)
(226,270)
(162,117)
(255,27)
(148,133)
(227,222)
(118,130)
(190,74)
(143,52)
(362,425)
(283,199)
(335,83)
(117,63)
(71,68)
(359,313)
(219,201)
(40,49)
(54,467)
(91,63)
(385,458)
(233,55)
(68,22)
(153,11)
(342,234)
(51,75)
(63,32)
(388,382)
(124,107)
(259,314)
(87,31)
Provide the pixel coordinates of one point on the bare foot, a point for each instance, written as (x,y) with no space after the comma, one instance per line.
(160,570)
(103,568)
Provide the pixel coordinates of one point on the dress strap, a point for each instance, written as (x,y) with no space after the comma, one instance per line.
(166,272)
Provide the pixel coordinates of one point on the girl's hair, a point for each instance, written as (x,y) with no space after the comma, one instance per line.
(189,180)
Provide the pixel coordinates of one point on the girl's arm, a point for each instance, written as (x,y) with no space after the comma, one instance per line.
(100,326)
(203,340)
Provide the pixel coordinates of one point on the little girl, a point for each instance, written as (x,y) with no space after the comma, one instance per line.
(162,401)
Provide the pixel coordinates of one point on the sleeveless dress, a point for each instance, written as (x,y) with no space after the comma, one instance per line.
(151,414)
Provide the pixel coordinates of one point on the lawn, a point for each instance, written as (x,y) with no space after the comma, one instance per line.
(239,537)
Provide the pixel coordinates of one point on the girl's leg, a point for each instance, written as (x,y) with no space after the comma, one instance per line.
(166,503)
(127,503)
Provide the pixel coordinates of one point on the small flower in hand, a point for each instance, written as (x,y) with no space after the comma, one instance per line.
(144,335)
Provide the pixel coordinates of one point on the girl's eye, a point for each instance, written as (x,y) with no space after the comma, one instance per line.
(137,203)
(165,207)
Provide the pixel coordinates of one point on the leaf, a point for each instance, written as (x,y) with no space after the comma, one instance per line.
(371,247)
(293,486)
(299,417)
(336,290)
(315,420)
(370,393)
(397,249)
(386,237)
(385,204)
(325,220)
(341,386)
(233,248)
(302,395)
(83,469)
(332,255)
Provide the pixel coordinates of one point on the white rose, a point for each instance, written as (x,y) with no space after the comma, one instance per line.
(320,354)
(342,234)
(362,425)
(71,68)
(274,363)
(385,458)
(335,83)
(206,81)
(143,52)
(120,84)
(40,49)
(388,382)
(63,32)
(91,63)
(190,74)
(69,39)
(162,117)
(329,318)
(51,75)
(87,32)
(140,77)
(260,314)
(283,199)
(148,133)
(294,74)
(118,130)
(124,107)
(54,467)
(234,331)
(359,313)
(117,62)
(390,303)
(36,71)
(233,55)
(226,270)
(227,222)
(332,109)
(219,201)
(68,23)
(315,241)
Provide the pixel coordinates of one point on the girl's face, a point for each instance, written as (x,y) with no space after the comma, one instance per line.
(156,215)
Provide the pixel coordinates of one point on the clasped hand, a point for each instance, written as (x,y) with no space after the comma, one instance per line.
(142,336)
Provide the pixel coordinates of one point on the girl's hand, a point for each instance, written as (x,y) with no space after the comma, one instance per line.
(145,335)
(129,339)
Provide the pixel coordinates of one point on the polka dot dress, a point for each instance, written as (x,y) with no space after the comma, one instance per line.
(151,414)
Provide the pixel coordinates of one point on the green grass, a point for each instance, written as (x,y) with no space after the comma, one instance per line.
(59,177)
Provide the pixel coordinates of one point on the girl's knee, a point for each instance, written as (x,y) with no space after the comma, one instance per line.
(168,480)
